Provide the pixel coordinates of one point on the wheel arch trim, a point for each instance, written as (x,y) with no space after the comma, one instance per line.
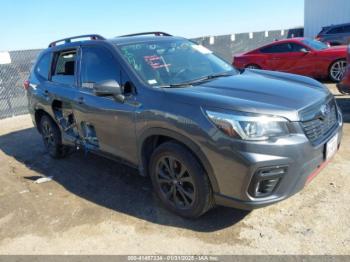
(189,143)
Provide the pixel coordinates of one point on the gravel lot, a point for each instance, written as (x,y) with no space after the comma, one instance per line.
(95,206)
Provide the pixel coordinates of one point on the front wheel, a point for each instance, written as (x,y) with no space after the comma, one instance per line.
(337,70)
(180,181)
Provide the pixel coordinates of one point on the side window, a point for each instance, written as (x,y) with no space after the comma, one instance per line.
(278,48)
(64,69)
(298,48)
(97,65)
(336,30)
(43,66)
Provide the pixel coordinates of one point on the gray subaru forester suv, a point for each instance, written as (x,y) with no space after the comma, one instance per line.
(206,133)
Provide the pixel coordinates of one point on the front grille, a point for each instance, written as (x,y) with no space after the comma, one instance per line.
(319,127)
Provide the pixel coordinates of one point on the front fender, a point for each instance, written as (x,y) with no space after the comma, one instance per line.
(189,143)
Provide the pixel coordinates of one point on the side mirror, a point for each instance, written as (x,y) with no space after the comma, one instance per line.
(109,88)
(304,50)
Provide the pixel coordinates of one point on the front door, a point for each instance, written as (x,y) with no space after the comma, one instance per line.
(104,123)
(302,60)
(277,57)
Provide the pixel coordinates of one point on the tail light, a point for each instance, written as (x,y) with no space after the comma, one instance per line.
(26,84)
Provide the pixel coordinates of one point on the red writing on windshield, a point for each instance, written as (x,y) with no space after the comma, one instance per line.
(155,62)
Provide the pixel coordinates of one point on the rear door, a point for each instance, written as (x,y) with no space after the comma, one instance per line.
(61,90)
(104,123)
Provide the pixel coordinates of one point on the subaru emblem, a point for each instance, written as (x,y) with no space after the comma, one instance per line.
(325,110)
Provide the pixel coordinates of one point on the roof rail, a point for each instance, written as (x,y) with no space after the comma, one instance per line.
(69,39)
(148,33)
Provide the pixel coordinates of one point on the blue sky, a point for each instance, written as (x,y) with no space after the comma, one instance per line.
(28,24)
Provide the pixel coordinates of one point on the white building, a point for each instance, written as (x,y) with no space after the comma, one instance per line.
(319,13)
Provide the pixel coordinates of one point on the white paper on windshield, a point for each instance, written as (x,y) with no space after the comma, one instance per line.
(202,49)
(152,81)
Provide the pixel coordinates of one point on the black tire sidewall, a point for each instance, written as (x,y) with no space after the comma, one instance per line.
(57,150)
(203,194)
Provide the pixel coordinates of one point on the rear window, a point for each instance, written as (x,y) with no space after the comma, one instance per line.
(43,66)
(336,30)
(64,70)
(323,31)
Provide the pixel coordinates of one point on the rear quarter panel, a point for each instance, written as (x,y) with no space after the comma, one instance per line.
(324,60)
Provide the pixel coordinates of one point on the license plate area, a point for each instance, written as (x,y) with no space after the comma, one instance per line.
(331,147)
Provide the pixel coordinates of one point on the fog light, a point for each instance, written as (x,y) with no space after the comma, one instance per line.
(266,180)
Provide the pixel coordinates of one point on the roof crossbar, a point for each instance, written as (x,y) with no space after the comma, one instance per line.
(148,33)
(69,39)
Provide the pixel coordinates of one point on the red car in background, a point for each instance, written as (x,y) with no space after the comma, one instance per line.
(302,56)
(344,86)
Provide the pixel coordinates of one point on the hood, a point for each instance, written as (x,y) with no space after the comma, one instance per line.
(335,49)
(256,91)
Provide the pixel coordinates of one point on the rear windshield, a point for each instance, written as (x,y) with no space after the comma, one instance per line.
(324,30)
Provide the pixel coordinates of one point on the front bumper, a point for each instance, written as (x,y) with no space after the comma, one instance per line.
(237,168)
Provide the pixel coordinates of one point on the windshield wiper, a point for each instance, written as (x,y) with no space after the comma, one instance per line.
(199,80)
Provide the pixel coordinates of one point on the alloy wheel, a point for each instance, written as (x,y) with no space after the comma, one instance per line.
(338,70)
(175,182)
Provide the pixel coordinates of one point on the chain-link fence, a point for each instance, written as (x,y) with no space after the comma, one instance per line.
(12,74)
(226,46)
(17,66)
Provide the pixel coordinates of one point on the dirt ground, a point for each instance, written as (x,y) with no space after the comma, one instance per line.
(95,206)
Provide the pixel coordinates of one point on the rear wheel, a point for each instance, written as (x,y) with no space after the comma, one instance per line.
(252,66)
(337,70)
(52,137)
(179,180)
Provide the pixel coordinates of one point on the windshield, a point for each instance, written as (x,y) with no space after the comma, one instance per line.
(314,44)
(173,62)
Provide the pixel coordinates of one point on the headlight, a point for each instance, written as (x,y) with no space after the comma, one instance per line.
(249,127)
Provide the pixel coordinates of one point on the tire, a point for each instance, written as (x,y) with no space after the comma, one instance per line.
(343,90)
(252,66)
(52,137)
(186,190)
(336,70)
